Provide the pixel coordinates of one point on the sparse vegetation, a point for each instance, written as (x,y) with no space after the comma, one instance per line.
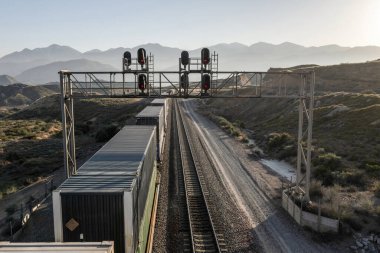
(327,167)
(31,138)
(233,129)
(346,146)
(278,140)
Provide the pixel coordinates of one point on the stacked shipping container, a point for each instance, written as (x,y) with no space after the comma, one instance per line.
(154,115)
(110,198)
(164,103)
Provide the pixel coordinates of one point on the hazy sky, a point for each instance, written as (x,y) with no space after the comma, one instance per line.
(89,24)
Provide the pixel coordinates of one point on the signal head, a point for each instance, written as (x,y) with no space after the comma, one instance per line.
(206,82)
(142,82)
(185,58)
(205,56)
(184,80)
(141,56)
(127,58)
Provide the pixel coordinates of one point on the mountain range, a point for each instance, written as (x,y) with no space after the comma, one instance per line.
(41,65)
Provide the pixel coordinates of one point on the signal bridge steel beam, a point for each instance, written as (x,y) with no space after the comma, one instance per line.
(67,109)
(167,84)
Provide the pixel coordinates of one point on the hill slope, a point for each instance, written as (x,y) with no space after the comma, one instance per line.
(356,77)
(31,138)
(21,94)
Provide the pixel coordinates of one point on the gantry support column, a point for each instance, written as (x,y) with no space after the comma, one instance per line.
(304,111)
(67,109)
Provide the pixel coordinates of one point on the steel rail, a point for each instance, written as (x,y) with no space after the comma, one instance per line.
(202,229)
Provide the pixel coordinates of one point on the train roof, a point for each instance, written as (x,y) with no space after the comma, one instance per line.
(159,101)
(98,183)
(150,111)
(123,154)
(115,166)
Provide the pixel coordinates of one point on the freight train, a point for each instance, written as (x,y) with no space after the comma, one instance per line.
(154,115)
(111,196)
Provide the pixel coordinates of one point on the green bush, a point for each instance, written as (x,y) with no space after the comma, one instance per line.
(288,151)
(329,160)
(325,175)
(372,168)
(278,140)
(349,178)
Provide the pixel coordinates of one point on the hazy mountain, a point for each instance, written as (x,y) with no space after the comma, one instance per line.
(7,80)
(261,56)
(234,56)
(49,72)
(164,57)
(16,62)
(52,52)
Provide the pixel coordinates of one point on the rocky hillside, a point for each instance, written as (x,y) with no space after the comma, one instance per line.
(358,77)
(21,94)
(347,124)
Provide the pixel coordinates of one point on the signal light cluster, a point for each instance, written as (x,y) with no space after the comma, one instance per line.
(185,61)
(205,61)
(141,58)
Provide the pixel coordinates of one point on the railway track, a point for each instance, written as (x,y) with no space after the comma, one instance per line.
(202,233)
